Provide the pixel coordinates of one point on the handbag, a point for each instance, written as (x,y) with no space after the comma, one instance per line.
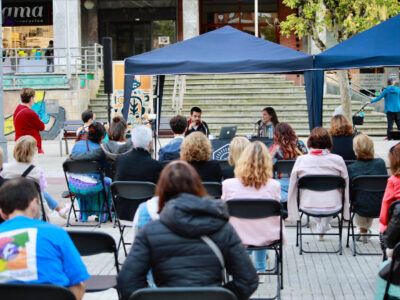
(210,243)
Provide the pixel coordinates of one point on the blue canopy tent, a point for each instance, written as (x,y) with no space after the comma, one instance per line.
(225,50)
(378,46)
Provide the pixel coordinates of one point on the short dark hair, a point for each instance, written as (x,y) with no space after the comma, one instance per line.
(117,129)
(17,194)
(195,109)
(87,115)
(320,139)
(391,81)
(27,94)
(178,124)
(96,132)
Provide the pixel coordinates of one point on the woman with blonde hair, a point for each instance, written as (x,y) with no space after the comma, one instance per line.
(253,180)
(366,164)
(24,152)
(342,135)
(196,150)
(236,147)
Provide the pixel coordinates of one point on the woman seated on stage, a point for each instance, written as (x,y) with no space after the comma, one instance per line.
(236,147)
(342,137)
(286,146)
(366,164)
(253,180)
(319,161)
(196,150)
(268,122)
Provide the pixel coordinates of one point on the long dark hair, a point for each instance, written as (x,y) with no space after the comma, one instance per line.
(178,177)
(272,113)
(117,129)
(286,138)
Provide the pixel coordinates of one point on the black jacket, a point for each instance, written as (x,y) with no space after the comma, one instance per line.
(343,146)
(172,248)
(392,233)
(208,170)
(137,164)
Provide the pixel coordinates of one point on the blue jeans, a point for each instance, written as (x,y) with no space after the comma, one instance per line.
(50,201)
(259,258)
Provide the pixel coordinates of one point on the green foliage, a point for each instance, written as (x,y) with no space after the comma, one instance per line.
(343,18)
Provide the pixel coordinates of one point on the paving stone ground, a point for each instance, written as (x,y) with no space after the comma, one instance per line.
(307,276)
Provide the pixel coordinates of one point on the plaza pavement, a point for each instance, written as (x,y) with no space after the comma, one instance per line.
(307,276)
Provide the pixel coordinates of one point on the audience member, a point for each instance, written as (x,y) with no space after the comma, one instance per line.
(26,121)
(88,118)
(41,253)
(236,147)
(195,123)
(24,152)
(286,146)
(392,192)
(342,137)
(319,161)
(138,164)
(268,122)
(85,186)
(172,150)
(253,180)
(196,150)
(173,246)
(366,164)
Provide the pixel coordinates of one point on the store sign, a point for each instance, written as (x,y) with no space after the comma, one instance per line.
(27,13)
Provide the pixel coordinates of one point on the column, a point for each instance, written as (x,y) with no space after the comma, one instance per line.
(190,12)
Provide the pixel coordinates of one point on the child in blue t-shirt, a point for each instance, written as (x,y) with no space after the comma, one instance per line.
(32,251)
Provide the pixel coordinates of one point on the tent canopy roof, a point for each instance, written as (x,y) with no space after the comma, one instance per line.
(375,47)
(225,50)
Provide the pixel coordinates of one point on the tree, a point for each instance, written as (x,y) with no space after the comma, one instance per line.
(343,19)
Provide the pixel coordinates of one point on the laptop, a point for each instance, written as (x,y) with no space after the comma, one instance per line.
(227,132)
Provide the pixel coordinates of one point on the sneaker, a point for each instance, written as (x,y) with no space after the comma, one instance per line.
(63,212)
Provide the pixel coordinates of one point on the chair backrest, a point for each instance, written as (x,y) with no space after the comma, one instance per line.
(133,190)
(35,291)
(321,183)
(349,161)
(82,166)
(184,293)
(283,166)
(254,208)
(214,189)
(391,208)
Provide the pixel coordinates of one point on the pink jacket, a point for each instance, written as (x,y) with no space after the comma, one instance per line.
(392,193)
(258,232)
(323,164)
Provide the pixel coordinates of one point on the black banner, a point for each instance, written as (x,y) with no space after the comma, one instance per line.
(220,147)
(19,13)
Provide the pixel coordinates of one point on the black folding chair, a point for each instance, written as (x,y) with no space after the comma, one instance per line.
(374,186)
(34,292)
(320,183)
(259,209)
(87,167)
(127,196)
(283,167)
(395,261)
(183,293)
(91,243)
(214,189)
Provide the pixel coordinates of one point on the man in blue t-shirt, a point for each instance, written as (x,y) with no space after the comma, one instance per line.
(32,251)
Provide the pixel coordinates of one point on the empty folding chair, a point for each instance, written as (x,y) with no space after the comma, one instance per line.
(320,183)
(91,243)
(214,189)
(260,209)
(127,197)
(366,194)
(83,167)
(35,291)
(183,293)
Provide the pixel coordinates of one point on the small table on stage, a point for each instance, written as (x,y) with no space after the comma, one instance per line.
(220,147)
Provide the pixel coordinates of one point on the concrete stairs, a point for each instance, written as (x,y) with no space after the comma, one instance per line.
(239,99)
(99,104)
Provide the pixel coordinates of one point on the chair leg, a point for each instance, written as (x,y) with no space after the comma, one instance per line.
(66,146)
(354,239)
(281,263)
(70,210)
(340,234)
(348,232)
(297,232)
(121,238)
(301,240)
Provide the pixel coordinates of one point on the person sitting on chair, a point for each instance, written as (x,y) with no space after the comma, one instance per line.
(342,137)
(195,123)
(36,252)
(268,122)
(172,150)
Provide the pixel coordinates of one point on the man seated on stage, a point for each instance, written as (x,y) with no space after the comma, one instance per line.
(35,252)
(195,123)
(172,150)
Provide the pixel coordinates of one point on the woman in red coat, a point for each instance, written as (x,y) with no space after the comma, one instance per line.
(26,121)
